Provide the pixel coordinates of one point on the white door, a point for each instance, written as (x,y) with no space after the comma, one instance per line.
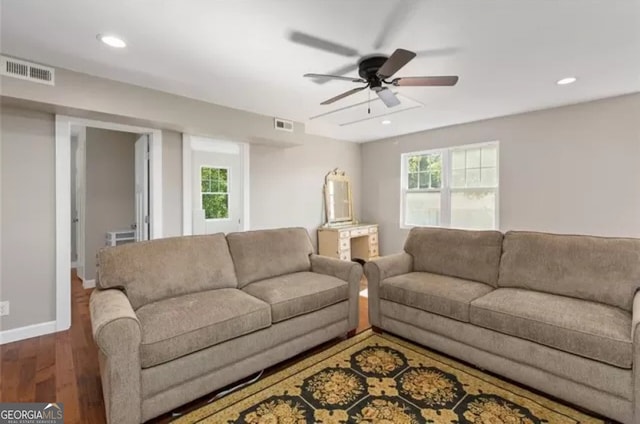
(217,189)
(142,187)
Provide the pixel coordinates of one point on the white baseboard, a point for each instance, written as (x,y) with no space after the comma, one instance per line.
(74,264)
(35,330)
(88,284)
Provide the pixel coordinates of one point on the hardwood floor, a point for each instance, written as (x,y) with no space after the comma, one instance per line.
(63,367)
(60,367)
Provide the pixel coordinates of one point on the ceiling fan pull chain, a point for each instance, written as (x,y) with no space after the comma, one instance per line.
(369,102)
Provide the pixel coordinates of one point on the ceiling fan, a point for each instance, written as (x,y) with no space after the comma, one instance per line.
(375,71)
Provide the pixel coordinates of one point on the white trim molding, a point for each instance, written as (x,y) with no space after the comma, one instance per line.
(27,332)
(63,223)
(247,187)
(187,207)
(155,183)
(63,206)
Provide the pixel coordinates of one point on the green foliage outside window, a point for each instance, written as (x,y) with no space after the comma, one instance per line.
(425,171)
(215,192)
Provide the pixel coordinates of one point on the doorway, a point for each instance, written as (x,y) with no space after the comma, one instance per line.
(215,186)
(110,194)
(147,142)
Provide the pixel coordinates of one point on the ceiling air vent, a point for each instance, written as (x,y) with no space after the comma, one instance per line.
(282,125)
(29,71)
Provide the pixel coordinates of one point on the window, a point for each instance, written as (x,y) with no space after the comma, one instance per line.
(456,187)
(215,192)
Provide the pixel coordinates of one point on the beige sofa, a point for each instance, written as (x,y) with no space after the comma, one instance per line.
(558,313)
(177,318)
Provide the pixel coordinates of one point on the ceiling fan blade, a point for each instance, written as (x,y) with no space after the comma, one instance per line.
(343,95)
(336,77)
(340,71)
(443,81)
(397,60)
(394,22)
(321,44)
(388,97)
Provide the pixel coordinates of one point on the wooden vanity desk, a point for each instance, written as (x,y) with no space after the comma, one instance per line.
(350,241)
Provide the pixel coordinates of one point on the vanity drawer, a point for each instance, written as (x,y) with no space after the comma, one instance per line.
(373,251)
(345,256)
(344,244)
(373,239)
(343,234)
(359,232)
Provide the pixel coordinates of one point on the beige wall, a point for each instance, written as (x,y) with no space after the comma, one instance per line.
(110,189)
(286,184)
(27,271)
(171,183)
(573,169)
(75,93)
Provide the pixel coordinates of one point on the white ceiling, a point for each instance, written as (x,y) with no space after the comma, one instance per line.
(237,53)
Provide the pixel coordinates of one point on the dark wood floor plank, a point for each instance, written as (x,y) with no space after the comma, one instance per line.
(27,383)
(10,372)
(66,387)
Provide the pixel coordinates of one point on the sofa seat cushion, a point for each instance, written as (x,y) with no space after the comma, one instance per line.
(589,329)
(178,326)
(438,294)
(298,293)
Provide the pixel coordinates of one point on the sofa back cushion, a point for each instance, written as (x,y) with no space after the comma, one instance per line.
(472,255)
(153,270)
(262,254)
(600,269)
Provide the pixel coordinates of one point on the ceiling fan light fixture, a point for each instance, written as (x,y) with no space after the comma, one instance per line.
(566,81)
(112,41)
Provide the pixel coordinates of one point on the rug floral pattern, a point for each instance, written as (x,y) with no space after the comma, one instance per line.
(378,379)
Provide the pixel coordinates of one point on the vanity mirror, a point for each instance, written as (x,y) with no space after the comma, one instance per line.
(337,198)
(342,236)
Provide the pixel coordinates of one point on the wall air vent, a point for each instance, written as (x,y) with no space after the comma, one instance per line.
(282,125)
(29,71)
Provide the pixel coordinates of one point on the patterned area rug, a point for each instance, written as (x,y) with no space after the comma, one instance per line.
(379,379)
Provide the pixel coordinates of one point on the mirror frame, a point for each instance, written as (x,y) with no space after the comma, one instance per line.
(337,175)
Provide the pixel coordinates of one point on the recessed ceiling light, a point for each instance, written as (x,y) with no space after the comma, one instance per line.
(386,122)
(112,41)
(565,81)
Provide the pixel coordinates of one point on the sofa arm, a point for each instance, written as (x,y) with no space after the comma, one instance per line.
(377,271)
(116,331)
(351,272)
(635,338)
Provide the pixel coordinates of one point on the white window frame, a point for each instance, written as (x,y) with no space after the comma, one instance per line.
(228,193)
(445,189)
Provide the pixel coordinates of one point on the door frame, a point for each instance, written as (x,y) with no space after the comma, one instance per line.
(143,226)
(192,143)
(81,169)
(63,125)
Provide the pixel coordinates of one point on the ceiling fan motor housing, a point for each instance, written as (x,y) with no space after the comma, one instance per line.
(368,69)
